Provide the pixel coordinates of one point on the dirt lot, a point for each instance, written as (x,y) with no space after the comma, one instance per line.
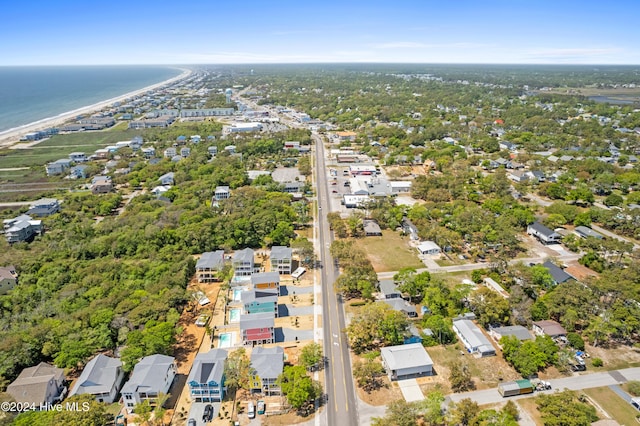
(613,358)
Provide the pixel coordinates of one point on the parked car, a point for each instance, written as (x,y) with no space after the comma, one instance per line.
(191,422)
(208,413)
(261,407)
(251,410)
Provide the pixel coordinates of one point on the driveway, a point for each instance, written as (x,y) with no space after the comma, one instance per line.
(289,310)
(287,290)
(290,334)
(410,390)
(197,409)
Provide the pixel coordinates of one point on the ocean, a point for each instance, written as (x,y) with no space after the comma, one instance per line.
(29,94)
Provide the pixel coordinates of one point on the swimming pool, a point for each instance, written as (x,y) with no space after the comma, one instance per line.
(237,294)
(234,314)
(225,340)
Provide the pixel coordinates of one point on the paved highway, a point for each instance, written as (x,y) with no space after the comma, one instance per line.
(341,405)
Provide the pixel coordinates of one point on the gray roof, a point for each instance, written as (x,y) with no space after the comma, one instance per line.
(559,275)
(405,356)
(388,287)
(371,227)
(280,252)
(268,362)
(265,277)
(471,333)
(400,305)
(244,255)
(148,374)
(263,295)
(31,384)
(540,228)
(585,231)
(169,175)
(513,330)
(98,376)
(211,260)
(208,367)
(259,320)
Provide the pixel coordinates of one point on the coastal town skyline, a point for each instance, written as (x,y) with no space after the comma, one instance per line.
(197,32)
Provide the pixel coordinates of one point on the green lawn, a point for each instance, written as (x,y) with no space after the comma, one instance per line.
(391,252)
(59,146)
(615,406)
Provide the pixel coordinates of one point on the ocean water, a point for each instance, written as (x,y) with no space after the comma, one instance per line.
(29,94)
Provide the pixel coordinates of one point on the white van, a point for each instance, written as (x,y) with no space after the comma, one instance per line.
(251,410)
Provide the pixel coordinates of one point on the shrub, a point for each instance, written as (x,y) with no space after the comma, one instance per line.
(575,341)
(361,303)
(597,362)
(634,387)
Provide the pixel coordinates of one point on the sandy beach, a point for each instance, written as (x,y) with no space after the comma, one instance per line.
(12,136)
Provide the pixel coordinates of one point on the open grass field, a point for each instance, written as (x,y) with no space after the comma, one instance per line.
(614,406)
(59,146)
(390,252)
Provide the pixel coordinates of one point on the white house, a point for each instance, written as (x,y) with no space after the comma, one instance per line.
(542,233)
(101,377)
(406,361)
(472,337)
(154,374)
(429,247)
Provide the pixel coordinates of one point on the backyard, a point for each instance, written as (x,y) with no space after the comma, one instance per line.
(390,252)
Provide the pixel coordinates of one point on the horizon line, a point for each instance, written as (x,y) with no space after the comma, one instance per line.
(324,63)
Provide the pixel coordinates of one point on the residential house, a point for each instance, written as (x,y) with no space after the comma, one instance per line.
(58,167)
(148,152)
(549,328)
(221,193)
(536,176)
(586,232)
(42,384)
(267,364)
(212,150)
(558,274)
(185,152)
(401,305)
(508,146)
(78,157)
(543,234)
(160,190)
(518,176)
(258,328)
(346,136)
(242,262)
(472,337)
(400,186)
(101,185)
(406,361)
(429,247)
(410,229)
(21,228)
(517,331)
(206,378)
(169,152)
(8,278)
(151,376)
(167,179)
(389,290)
(371,228)
(281,259)
(259,301)
(266,281)
(102,378)
(209,266)
(44,207)
(78,172)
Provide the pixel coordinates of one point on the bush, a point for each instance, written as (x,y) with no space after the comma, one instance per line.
(634,387)
(597,362)
(361,303)
(575,341)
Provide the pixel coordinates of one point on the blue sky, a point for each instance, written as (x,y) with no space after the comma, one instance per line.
(65,32)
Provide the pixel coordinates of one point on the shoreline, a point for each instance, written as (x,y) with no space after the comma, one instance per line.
(12,136)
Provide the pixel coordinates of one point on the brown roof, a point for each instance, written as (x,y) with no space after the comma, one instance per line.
(32,383)
(551,328)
